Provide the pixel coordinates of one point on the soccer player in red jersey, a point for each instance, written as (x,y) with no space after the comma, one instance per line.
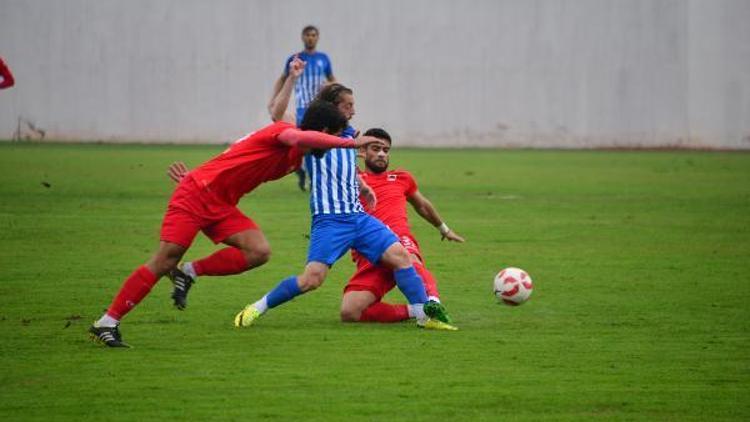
(8,80)
(206,200)
(366,288)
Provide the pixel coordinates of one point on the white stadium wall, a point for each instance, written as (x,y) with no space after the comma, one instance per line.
(548,73)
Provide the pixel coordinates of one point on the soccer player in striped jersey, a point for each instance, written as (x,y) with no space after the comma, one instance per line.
(368,285)
(318,72)
(206,200)
(339,223)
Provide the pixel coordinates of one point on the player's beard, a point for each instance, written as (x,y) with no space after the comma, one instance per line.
(377,166)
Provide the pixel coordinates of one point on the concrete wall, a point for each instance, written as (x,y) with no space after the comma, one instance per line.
(547,73)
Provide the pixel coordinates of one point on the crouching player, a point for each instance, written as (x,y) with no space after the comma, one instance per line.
(368,285)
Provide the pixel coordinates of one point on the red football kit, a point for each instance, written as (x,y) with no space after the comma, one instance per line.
(6,75)
(392,188)
(206,199)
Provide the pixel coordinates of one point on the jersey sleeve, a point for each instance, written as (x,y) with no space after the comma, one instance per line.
(411,184)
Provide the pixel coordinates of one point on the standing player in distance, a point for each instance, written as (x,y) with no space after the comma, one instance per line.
(8,80)
(206,200)
(339,223)
(368,285)
(318,72)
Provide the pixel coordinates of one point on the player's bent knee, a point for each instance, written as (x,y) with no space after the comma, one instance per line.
(400,258)
(258,257)
(350,314)
(164,261)
(162,266)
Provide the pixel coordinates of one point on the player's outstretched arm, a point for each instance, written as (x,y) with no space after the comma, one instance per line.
(312,139)
(426,210)
(282,91)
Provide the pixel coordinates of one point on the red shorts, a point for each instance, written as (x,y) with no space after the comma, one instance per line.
(193,208)
(375,279)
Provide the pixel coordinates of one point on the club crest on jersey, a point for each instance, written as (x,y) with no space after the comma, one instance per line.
(391,177)
(320,63)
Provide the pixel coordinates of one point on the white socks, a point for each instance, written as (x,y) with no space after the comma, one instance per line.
(188,269)
(262,305)
(107,321)
(416,310)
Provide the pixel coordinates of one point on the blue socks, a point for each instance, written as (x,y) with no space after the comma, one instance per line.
(284,292)
(410,284)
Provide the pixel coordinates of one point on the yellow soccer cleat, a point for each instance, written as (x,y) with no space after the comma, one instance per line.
(433,324)
(246,317)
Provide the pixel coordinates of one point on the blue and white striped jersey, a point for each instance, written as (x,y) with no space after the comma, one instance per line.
(317,71)
(334,185)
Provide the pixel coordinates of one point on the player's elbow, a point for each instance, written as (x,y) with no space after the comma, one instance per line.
(287,137)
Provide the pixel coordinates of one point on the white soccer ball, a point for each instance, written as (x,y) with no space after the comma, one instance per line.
(513,286)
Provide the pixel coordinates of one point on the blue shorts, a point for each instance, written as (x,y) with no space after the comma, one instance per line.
(333,235)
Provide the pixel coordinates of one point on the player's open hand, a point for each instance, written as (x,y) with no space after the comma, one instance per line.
(366,140)
(453,237)
(177,171)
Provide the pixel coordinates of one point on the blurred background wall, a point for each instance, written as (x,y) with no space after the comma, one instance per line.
(546,73)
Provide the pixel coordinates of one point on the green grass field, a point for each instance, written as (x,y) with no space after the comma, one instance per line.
(640,309)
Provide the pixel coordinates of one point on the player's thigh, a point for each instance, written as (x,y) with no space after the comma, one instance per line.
(371,278)
(330,238)
(230,224)
(249,240)
(374,239)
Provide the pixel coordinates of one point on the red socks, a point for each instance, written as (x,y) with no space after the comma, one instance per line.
(226,261)
(135,288)
(430,285)
(385,312)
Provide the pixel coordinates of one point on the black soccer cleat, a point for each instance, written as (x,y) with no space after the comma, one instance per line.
(110,336)
(182,284)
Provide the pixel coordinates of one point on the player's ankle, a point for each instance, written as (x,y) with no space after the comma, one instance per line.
(416,310)
(107,321)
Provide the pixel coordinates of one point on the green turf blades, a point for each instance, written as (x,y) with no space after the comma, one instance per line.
(639,312)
